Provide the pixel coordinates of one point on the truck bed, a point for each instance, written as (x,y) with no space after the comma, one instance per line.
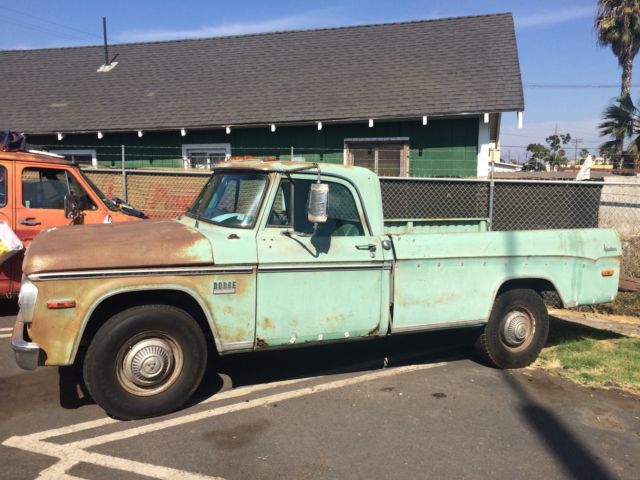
(448,278)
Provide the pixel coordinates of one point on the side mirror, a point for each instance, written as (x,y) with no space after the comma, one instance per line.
(71,206)
(318,198)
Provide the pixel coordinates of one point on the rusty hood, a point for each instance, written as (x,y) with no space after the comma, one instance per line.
(152,243)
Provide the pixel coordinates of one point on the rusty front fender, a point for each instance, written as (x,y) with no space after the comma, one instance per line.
(59,332)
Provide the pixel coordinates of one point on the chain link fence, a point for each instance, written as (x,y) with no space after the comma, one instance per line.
(507,204)
(531,205)
(158,194)
(517,205)
(430,183)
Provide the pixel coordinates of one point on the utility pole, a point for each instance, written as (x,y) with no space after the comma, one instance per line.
(577,141)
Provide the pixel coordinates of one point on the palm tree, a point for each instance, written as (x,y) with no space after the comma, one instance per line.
(618,24)
(622,122)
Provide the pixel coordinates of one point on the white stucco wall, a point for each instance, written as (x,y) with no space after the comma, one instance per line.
(484,147)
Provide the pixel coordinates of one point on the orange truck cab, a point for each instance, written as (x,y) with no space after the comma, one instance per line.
(33,187)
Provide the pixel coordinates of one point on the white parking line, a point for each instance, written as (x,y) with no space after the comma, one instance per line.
(70,454)
(5,335)
(101,422)
(6,329)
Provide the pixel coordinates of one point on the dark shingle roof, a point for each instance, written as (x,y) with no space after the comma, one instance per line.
(398,70)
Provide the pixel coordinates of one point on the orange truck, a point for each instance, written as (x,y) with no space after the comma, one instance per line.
(40,191)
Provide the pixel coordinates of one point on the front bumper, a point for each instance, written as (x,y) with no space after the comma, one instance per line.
(27,353)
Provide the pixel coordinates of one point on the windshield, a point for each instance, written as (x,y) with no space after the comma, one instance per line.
(231,199)
(98,192)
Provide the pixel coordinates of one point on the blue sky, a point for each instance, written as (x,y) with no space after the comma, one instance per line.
(556,42)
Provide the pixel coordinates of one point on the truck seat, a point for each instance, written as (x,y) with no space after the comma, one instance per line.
(347,230)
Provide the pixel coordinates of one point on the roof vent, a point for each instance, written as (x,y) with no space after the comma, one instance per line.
(108,64)
(107,67)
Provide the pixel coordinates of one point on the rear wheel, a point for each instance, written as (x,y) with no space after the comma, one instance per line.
(145,361)
(516,331)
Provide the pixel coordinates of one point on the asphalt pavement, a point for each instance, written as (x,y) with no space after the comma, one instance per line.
(410,407)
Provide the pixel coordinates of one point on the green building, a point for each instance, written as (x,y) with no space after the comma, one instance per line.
(421,98)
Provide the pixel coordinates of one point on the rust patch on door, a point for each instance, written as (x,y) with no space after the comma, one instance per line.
(375,331)
(267,323)
(230,334)
(261,343)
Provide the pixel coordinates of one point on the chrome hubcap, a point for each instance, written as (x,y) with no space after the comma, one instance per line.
(148,362)
(518,327)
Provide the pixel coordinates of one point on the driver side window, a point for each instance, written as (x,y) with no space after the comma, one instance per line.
(47,187)
(291,206)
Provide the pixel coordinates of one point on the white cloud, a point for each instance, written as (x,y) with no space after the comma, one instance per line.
(325,17)
(553,17)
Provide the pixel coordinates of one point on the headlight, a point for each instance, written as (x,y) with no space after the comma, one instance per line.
(27,300)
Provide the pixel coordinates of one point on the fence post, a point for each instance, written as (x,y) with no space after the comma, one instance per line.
(124,178)
(491,187)
(291,154)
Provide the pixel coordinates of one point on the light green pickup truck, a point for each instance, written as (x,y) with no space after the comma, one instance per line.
(286,254)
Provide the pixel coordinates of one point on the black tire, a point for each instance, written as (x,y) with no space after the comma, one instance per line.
(165,354)
(506,341)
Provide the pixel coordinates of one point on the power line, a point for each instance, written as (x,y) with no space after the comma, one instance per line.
(45,30)
(66,27)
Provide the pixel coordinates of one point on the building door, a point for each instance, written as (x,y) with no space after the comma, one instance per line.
(387,158)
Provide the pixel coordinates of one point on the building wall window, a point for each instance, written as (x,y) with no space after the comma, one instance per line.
(87,157)
(204,155)
(387,157)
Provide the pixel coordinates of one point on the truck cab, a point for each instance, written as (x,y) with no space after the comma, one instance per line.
(33,187)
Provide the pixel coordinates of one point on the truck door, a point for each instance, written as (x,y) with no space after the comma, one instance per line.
(7,198)
(40,200)
(318,287)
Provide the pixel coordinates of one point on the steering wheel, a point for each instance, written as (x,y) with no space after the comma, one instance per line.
(280,217)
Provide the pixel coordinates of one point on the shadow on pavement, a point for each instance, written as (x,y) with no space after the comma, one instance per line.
(555,437)
(8,307)
(561,331)
(290,363)
(345,357)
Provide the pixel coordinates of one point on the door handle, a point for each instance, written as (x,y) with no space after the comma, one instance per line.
(370,246)
(30,221)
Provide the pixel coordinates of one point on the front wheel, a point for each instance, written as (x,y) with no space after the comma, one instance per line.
(516,331)
(145,361)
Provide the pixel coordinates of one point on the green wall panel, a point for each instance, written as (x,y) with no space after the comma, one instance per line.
(441,148)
